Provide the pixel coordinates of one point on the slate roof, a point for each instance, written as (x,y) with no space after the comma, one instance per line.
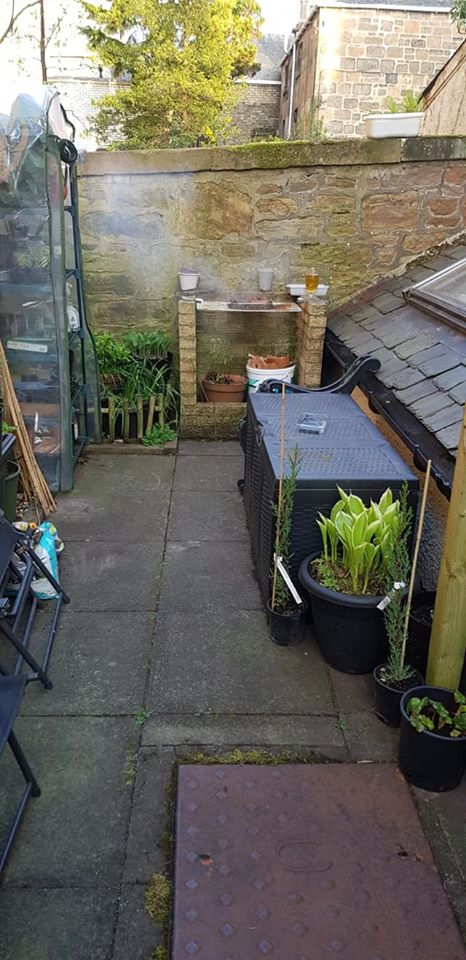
(423,361)
(270,50)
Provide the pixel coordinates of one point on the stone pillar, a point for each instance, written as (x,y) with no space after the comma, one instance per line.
(311,333)
(187,345)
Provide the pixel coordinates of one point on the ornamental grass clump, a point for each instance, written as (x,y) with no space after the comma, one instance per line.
(357,544)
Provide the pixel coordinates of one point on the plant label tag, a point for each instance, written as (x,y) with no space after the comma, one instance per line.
(398,585)
(286,577)
(25,345)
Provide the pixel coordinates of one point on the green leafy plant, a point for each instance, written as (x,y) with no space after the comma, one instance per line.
(284,602)
(113,355)
(427,714)
(410,103)
(147,344)
(141,716)
(158,435)
(7,428)
(395,671)
(458,14)
(358,542)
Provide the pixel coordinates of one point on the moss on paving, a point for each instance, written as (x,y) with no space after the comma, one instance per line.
(158,898)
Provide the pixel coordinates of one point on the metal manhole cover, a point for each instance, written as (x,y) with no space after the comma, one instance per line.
(298,862)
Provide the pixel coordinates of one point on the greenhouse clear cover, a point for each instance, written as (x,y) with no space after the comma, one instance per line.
(49,349)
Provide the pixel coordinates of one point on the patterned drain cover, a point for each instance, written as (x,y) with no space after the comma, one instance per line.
(295,862)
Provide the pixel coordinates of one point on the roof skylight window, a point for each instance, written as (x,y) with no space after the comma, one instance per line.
(443,295)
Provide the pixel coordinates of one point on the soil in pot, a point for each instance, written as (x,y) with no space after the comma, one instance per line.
(229,389)
(286,629)
(431,761)
(350,630)
(389,694)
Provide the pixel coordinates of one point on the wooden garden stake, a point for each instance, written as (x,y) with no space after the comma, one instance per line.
(448,637)
(420,528)
(150,415)
(140,418)
(111,419)
(280,493)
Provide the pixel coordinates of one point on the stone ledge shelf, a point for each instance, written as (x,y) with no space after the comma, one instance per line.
(222,306)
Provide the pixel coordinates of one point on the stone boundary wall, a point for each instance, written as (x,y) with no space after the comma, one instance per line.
(358,210)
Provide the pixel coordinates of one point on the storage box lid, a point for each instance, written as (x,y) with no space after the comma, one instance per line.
(351,451)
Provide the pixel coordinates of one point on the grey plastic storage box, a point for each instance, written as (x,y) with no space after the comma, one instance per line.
(350,452)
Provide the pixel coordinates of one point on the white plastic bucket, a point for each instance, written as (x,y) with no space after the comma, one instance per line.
(256,377)
(188,279)
(265,277)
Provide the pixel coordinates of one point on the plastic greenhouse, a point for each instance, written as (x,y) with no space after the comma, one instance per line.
(49,348)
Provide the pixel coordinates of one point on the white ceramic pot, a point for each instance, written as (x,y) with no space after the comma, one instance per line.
(265,277)
(188,280)
(380,125)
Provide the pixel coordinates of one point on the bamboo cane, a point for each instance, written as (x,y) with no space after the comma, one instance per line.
(32,478)
(417,544)
(280,493)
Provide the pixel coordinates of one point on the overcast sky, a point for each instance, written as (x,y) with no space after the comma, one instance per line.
(280,15)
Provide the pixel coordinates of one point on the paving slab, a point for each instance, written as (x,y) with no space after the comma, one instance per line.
(266,858)
(98,665)
(205,574)
(112,576)
(208,448)
(442,816)
(149,817)
(222,661)
(352,693)
(368,738)
(207,516)
(209,473)
(74,833)
(56,924)
(136,935)
(102,504)
(317,734)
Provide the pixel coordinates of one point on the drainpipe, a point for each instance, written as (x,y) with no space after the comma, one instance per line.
(293,69)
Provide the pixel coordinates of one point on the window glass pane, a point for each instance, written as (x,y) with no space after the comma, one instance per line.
(448,285)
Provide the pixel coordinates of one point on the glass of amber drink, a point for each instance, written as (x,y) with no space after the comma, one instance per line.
(312,280)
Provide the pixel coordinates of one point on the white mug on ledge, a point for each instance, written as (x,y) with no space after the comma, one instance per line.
(265,277)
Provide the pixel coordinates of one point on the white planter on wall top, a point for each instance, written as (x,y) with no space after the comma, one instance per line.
(392,124)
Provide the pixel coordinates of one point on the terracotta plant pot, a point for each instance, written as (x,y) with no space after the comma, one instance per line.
(231,392)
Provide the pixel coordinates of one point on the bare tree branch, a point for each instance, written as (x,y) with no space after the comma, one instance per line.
(15,16)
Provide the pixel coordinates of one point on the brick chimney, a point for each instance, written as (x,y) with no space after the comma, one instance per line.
(303,10)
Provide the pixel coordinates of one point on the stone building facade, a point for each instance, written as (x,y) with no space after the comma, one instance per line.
(348,57)
(444,99)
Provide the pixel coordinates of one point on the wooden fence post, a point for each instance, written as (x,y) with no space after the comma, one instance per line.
(448,638)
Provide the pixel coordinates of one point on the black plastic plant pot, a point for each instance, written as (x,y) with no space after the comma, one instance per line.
(420,625)
(387,698)
(286,629)
(349,630)
(429,760)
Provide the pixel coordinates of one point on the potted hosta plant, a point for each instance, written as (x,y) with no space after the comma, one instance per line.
(347,581)
(395,676)
(432,750)
(402,120)
(286,617)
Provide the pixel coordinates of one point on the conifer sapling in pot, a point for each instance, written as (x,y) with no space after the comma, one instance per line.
(286,616)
